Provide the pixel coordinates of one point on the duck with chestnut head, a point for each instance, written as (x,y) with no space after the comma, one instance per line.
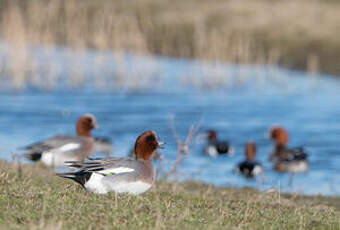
(56,150)
(250,167)
(215,146)
(292,160)
(119,175)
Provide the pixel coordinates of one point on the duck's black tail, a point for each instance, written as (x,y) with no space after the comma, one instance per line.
(299,153)
(79,176)
(33,156)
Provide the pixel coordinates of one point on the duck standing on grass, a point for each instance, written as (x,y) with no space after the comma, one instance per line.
(216,147)
(56,150)
(119,175)
(250,167)
(287,160)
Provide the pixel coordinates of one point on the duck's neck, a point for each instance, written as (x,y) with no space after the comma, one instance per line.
(250,158)
(280,146)
(82,132)
(145,157)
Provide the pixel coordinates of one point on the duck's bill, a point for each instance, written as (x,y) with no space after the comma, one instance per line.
(161,145)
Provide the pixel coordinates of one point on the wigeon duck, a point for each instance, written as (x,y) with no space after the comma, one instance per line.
(56,150)
(103,145)
(119,175)
(216,147)
(250,167)
(287,160)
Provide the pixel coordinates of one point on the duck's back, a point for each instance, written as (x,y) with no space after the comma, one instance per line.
(250,168)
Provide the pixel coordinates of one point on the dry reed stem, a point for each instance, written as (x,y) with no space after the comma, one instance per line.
(183,147)
(219,31)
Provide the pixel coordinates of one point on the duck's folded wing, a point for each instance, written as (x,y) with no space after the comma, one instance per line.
(107,165)
(103,140)
(299,153)
(58,143)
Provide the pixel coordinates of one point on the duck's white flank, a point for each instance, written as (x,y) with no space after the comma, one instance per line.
(68,147)
(257,170)
(117,170)
(299,167)
(100,185)
(53,159)
(231,151)
(47,158)
(95,185)
(133,188)
(211,151)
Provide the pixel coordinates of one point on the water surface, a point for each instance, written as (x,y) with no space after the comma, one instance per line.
(240,102)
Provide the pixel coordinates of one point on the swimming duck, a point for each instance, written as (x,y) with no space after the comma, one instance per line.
(119,175)
(287,160)
(250,167)
(216,147)
(56,150)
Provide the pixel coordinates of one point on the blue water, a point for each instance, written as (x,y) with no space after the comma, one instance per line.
(240,102)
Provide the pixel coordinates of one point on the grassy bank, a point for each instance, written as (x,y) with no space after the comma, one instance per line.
(299,34)
(39,200)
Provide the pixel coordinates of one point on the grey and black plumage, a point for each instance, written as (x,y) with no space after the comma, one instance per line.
(56,150)
(114,169)
(250,167)
(298,153)
(282,153)
(120,175)
(293,160)
(217,147)
(290,160)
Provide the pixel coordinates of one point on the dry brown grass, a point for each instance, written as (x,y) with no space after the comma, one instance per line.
(299,34)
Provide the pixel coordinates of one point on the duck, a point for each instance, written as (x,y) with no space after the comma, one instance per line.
(250,167)
(119,175)
(216,147)
(293,160)
(54,151)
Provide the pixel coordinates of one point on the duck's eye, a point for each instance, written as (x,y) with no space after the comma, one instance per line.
(273,134)
(150,138)
(89,120)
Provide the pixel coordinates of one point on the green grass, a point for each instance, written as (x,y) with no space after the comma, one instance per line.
(39,200)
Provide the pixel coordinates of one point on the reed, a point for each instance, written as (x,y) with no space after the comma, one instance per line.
(249,31)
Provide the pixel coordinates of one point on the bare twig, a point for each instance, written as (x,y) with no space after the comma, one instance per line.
(17,158)
(160,167)
(183,148)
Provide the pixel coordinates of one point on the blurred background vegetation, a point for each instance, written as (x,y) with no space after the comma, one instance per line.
(298,34)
